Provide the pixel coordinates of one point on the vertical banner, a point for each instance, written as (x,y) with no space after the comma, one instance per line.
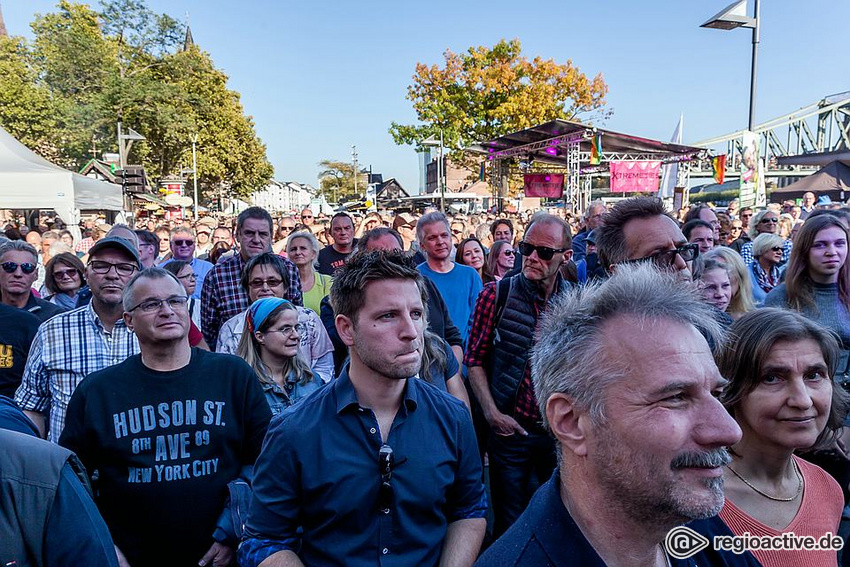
(749,166)
(634,176)
(718,166)
(544,185)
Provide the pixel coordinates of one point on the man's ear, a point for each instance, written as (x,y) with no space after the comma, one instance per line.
(345,329)
(568,423)
(128,320)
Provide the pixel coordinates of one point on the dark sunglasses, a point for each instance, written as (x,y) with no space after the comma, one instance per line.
(306,216)
(777,248)
(386,462)
(543,252)
(287,228)
(666,258)
(183,242)
(773,220)
(10,267)
(508,252)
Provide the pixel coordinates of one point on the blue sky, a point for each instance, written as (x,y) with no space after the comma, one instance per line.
(319,77)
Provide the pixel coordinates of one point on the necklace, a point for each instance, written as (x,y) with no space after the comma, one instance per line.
(799,484)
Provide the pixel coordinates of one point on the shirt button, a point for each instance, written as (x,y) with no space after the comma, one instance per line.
(373,431)
(385,551)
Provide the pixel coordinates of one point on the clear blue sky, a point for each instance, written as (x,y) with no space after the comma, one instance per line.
(320,76)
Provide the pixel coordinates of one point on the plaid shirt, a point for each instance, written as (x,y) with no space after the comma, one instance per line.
(222,296)
(67,348)
(84,245)
(747,252)
(479,353)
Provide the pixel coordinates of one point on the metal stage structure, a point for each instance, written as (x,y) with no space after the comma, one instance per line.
(565,146)
(810,136)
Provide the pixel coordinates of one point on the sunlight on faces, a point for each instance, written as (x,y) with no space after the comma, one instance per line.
(828,254)
(18,283)
(549,235)
(502,232)
(716,288)
(300,252)
(436,240)
(790,406)
(660,449)
(702,237)
(188,279)
(267,274)
(254,238)
(388,333)
(473,255)
(342,231)
(647,236)
(165,324)
(108,287)
(279,343)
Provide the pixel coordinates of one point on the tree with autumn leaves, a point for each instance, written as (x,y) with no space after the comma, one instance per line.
(85,70)
(487,92)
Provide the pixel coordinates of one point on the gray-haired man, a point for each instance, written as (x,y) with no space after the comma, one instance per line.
(628,387)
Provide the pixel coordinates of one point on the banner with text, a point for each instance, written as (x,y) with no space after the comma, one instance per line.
(634,176)
(544,185)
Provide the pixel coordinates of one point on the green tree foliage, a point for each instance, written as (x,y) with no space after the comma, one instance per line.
(336,181)
(85,71)
(487,92)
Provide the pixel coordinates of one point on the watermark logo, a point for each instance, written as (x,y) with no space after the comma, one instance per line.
(683,542)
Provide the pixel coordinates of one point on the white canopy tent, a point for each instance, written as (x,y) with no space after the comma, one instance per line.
(28,181)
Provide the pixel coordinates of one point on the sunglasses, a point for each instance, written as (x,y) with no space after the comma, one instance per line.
(26,267)
(287,228)
(62,274)
(386,462)
(770,220)
(666,258)
(183,242)
(777,248)
(271,282)
(306,216)
(509,252)
(543,252)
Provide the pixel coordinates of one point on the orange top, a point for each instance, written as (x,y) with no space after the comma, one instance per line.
(819,513)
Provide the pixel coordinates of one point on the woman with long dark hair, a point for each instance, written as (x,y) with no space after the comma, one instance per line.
(470,252)
(817,280)
(501,259)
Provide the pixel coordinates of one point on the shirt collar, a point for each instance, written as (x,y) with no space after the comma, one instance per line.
(95,320)
(346,396)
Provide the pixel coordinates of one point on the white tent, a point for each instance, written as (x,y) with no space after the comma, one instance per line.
(28,181)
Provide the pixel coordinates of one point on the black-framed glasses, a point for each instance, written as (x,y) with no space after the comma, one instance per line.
(26,267)
(771,219)
(666,258)
(183,242)
(287,228)
(543,252)
(123,269)
(777,248)
(509,252)
(386,462)
(174,302)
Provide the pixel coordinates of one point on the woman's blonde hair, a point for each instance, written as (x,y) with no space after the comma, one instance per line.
(742,301)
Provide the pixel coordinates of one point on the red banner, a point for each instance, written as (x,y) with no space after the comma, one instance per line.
(634,176)
(544,184)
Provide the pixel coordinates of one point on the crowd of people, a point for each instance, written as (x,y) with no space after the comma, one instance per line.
(422,389)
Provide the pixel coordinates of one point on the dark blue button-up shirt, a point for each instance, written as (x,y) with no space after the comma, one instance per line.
(319,470)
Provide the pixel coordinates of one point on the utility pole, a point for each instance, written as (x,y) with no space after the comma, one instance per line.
(195,173)
(354,159)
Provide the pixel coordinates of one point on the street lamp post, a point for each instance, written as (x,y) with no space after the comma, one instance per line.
(195,174)
(735,16)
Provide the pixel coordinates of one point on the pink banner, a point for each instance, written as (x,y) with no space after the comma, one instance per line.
(544,185)
(634,176)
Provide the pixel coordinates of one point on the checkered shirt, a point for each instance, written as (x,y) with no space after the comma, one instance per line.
(747,252)
(84,245)
(66,349)
(222,296)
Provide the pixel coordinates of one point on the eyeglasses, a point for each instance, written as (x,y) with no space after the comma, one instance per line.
(271,282)
(183,242)
(287,330)
(777,248)
(386,462)
(771,219)
(543,252)
(287,228)
(26,267)
(306,216)
(174,303)
(509,252)
(123,269)
(62,274)
(189,276)
(666,258)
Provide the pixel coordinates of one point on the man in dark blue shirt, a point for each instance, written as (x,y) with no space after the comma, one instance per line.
(377,467)
(628,388)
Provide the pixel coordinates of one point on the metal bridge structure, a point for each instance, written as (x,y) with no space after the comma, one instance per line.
(793,145)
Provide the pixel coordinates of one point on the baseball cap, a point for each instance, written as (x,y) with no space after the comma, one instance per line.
(591,237)
(116,243)
(402,219)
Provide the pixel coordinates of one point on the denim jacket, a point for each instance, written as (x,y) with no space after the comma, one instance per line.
(281,398)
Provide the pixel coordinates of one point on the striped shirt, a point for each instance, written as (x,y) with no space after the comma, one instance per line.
(222,295)
(66,349)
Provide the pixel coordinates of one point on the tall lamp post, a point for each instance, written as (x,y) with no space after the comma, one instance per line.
(195,174)
(735,16)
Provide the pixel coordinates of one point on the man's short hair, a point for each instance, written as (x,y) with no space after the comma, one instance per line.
(257,213)
(542,217)
(264,259)
(342,215)
(375,234)
(50,234)
(495,224)
(348,293)
(610,241)
(695,212)
(18,246)
(570,355)
(147,237)
(592,205)
(127,299)
(430,218)
(182,230)
(691,225)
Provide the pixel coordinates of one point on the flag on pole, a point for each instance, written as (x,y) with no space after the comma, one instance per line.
(670,172)
(596,150)
(718,164)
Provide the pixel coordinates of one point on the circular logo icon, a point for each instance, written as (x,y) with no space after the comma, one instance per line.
(683,542)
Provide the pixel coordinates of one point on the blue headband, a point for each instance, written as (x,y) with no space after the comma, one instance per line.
(261,309)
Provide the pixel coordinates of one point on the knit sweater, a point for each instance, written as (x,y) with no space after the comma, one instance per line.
(819,513)
(828,311)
